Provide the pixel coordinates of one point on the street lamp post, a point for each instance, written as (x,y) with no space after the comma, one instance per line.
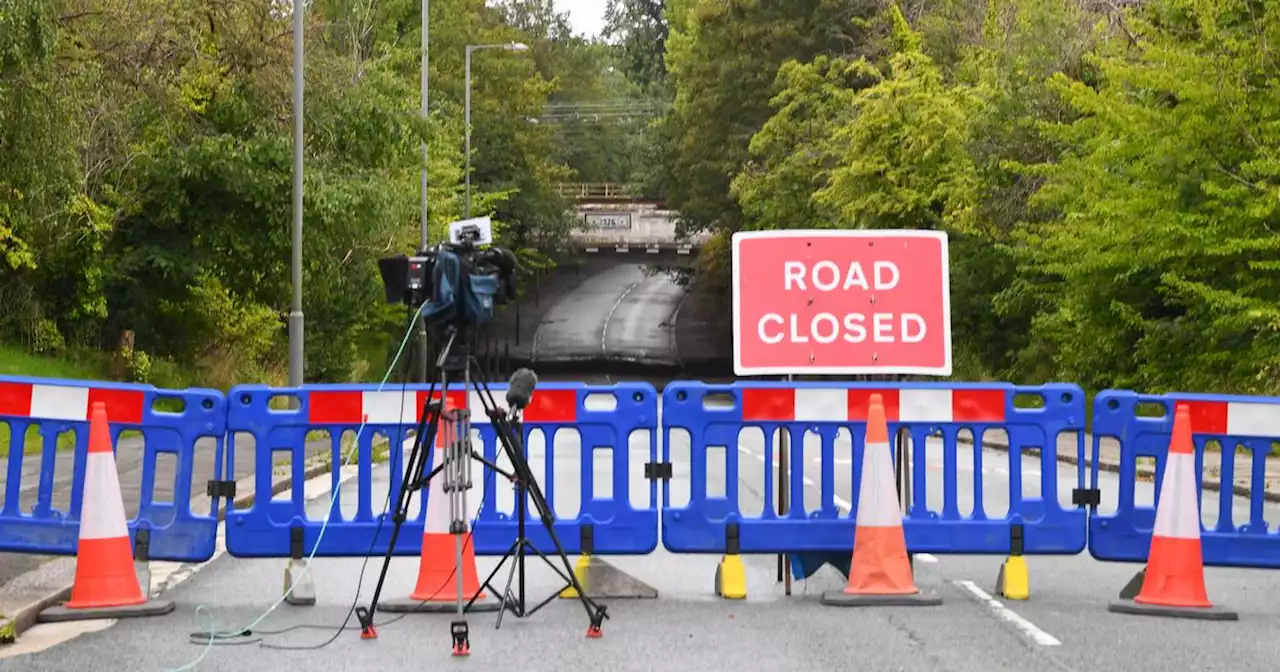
(296,360)
(426,82)
(510,46)
(422,215)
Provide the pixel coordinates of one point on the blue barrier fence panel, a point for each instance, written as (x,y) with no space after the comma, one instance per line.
(600,470)
(1230,426)
(44,480)
(738,426)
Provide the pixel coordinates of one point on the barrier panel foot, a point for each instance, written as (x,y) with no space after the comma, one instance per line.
(65,612)
(1210,613)
(731,578)
(304,585)
(1014,580)
(579,571)
(604,581)
(840,598)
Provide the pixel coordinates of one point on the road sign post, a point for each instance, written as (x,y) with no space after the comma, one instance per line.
(841,302)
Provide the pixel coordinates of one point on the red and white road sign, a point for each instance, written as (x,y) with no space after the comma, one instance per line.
(836,302)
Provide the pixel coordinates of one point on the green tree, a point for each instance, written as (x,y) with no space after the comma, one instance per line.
(723,60)
(1157,268)
(145,168)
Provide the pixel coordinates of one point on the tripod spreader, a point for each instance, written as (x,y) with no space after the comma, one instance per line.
(474,455)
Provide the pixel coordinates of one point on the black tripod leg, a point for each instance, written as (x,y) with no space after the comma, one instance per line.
(413,480)
(506,590)
(508,438)
(487,583)
(597,613)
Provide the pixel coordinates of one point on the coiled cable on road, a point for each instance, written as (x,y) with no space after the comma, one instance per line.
(211,636)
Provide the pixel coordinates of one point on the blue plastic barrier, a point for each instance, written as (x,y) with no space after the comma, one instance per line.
(55,406)
(267,528)
(714,415)
(1249,422)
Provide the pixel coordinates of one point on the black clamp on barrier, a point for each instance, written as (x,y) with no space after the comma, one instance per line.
(142,545)
(1086,497)
(223,489)
(295,543)
(657,471)
(732,539)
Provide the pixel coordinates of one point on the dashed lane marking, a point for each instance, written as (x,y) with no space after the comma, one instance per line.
(1009,616)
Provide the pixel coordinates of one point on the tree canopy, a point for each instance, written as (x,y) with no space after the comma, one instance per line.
(1111,193)
(1107,172)
(146,165)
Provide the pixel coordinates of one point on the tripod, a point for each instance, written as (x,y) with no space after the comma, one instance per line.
(455,469)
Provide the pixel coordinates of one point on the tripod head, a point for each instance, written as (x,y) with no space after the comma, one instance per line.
(455,355)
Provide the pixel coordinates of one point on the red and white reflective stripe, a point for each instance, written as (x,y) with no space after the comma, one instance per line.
(850,405)
(69,403)
(102,513)
(395,407)
(1233,418)
(388,407)
(1177,513)
(877,492)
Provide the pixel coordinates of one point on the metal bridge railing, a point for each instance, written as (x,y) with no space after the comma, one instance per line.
(584,191)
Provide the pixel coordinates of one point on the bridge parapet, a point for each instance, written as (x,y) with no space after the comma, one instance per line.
(599,191)
(631,226)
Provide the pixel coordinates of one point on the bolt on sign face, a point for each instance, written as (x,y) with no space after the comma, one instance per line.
(841,302)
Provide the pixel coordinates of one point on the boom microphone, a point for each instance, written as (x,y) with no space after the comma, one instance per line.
(520,388)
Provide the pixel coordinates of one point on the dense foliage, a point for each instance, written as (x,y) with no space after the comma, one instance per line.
(1107,172)
(146,166)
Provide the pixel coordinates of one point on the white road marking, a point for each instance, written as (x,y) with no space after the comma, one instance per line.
(604,330)
(841,501)
(925,557)
(165,576)
(1005,614)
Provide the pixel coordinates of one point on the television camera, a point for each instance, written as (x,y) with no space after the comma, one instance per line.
(457,283)
(455,286)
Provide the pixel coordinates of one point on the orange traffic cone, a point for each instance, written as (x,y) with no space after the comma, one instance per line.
(880,573)
(106,583)
(437,587)
(1173,582)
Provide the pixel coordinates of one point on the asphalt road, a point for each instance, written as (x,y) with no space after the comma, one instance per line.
(620,314)
(25,578)
(1065,625)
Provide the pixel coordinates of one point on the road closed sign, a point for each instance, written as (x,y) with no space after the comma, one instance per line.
(841,302)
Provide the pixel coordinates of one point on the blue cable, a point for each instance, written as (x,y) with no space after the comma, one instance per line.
(212,630)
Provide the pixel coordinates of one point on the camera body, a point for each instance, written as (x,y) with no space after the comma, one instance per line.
(454,283)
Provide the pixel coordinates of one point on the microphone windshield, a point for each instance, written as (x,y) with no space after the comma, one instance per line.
(520,389)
